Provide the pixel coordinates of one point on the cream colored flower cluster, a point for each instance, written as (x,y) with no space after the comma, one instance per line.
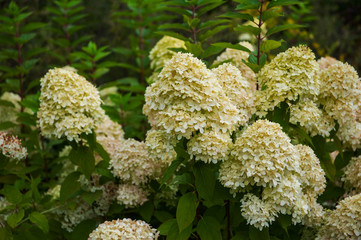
(341,97)
(211,146)
(160,146)
(69,105)
(9,113)
(124,229)
(10,146)
(109,129)
(236,57)
(131,195)
(188,98)
(352,174)
(291,176)
(315,120)
(326,62)
(290,75)
(343,223)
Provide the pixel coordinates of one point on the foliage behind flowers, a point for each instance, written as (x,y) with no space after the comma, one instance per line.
(188,137)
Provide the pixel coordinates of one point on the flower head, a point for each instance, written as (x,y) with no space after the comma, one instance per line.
(123,230)
(131,195)
(69,105)
(10,146)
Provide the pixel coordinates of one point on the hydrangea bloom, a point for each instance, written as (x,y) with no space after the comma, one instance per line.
(236,57)
(161,146)
(131,195)
(187,98)
(160,55)
(289,75)
(69,105)
(325,62)
(132,164)
(315,120)
(344,222)
(10,146)
(109,129)
(259,157)
(124,229)
(211,146)
(352,174)
(341,97)
(237,89)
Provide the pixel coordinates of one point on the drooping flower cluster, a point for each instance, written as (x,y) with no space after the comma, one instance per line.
(290,75)
(352,175)
(236,57)
(10,146)
(124,229)
(188,98)
(291,176)
(315,120)
(69,105)
(341,97)
(343,223)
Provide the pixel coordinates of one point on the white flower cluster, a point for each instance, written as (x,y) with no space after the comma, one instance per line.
(235,57)
(131,195)
(10,146)
(325,62)
(341,97)
(352,174)
(315,120)
(124,229)
(290,75)
(69,105)
(343,223)
(291,176)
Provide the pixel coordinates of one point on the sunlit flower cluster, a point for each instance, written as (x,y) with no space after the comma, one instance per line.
(237,89)
(289,75)
(235,57)
(211,146)
(290,176)
(131,195)
(124,229)
(188,98)
(69,105)
(352,174)
(343,223)
(315,120)
(341,97)
(10,146)
(160,55)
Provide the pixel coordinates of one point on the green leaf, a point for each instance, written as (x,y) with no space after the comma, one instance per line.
(83,229)
(324,156)
(276,3)
(232,46)
(195,49)
(15,218)
(12,194)
(211,50)
(271,14)
(209,7)
(209,228)
(40,220)
(248,29)
(172,34)
(83,157)
(285,221)
(255,68)
(256,234)
(269,45)
(70,186)
(146,211)
(211,32)
(165,227)
(248,4)
(253,59)
(186,210)
(33,26)
(243,16)
(205,180)
(282,28)
(173,26)
(175,234)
